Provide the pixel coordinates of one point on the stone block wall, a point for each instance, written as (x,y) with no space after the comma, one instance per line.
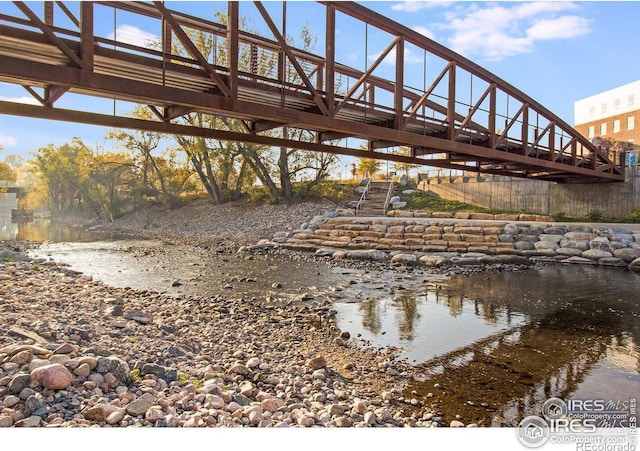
(476,242)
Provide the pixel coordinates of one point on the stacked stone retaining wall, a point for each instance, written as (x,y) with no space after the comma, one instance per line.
(436,242)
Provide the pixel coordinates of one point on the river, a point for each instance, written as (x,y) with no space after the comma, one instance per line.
(491,347)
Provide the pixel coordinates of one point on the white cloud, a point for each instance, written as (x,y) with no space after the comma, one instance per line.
(24,99)
(497,31)
(413,6)
(565,27)
(134,36)
(424,31)
(7,141)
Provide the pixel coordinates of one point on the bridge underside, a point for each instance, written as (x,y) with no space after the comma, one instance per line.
(266,92)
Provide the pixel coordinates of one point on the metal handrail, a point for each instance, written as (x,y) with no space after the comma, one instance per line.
(388,198)
(362,198)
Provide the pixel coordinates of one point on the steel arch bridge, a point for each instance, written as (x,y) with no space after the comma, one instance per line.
(463,117)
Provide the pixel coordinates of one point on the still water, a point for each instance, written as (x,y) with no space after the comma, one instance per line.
(496,345)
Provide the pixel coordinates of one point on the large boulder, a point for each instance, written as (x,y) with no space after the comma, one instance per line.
(52,377)
(552,245)
(405,259)
(596,254)
(627,254)
(600,243)
(118,367)
(582,245)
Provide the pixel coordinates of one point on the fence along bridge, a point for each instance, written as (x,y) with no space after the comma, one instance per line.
(463,117)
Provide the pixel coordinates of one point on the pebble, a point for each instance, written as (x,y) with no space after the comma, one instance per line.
(115,417)
(370,418)
(141,405)
(5,421)
(10,400)
(253,362)
(317,363)
(360,407)
(343,422)
(83,370)
(30,422)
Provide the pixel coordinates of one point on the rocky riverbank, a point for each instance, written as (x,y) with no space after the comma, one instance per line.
(220,226)
(74,352)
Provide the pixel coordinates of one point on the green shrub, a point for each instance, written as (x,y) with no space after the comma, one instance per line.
(595,216)
(634,216)
(560,216)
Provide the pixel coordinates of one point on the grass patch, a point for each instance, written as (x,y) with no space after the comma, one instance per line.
(135,375)
(338,192)
(424,201)
(183,377)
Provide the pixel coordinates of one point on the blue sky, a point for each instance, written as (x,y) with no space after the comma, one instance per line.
(556,52)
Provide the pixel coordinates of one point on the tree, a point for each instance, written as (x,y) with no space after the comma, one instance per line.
(403,167)
(113,177)
(7,174)
(216,162)
(142,144)
(64,171)
(368,166)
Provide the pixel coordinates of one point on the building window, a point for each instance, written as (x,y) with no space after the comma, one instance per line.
(603,129)
(592,131)
(603,108)
(616,126)
(632,99)
(592,110)
(631,122)
(616,104)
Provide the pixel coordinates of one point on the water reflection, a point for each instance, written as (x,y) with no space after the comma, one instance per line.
(500,344)
(8,228)
(39,229)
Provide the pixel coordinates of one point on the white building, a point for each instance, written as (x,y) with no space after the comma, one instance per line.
(614,113)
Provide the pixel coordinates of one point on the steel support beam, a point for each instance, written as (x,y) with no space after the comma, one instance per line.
(330,58)
(86,34)
(233,26)
(153,94)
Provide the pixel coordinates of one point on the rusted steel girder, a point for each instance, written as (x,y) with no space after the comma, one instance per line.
(36,54)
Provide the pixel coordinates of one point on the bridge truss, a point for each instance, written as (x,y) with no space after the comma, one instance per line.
(266,90)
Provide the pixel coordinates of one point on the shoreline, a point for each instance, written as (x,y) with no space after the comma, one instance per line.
(195,361)
(240,370)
